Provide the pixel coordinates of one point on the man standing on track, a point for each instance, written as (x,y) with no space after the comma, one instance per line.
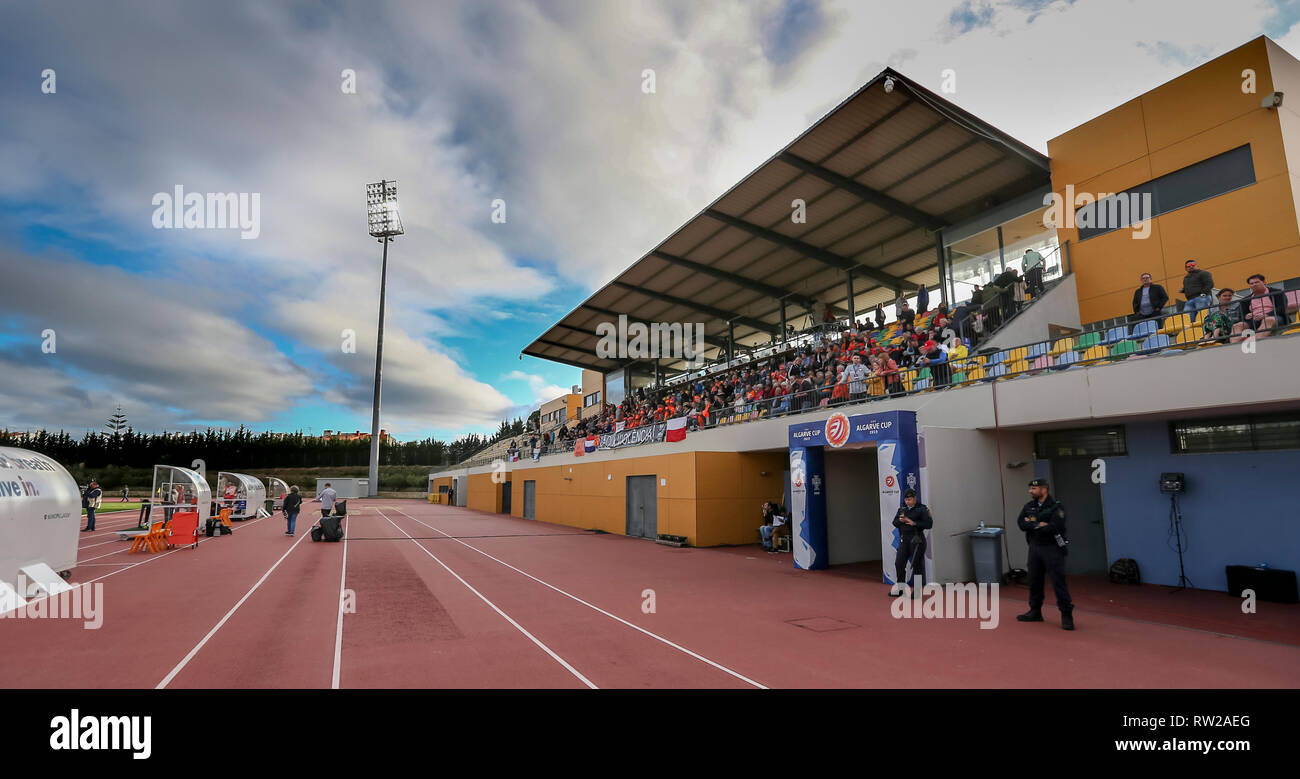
(912,520)
(292,504)
(1043,520)
(91,500)
(327,497)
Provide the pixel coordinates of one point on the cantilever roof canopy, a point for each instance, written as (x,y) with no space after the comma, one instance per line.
(880,175)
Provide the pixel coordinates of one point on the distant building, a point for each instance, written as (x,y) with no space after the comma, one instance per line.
(338,435)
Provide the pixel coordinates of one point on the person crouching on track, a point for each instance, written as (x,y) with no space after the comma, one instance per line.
(912,520)
(292,505)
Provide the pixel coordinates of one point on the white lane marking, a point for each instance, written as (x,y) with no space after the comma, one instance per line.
(149,559)
(338,633)
(185,661)
(676,646)
(483,598)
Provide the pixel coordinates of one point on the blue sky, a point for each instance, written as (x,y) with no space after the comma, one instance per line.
(536,103)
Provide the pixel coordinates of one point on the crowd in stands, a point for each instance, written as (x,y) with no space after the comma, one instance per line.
(840,367)
(1228,314)
(847,362)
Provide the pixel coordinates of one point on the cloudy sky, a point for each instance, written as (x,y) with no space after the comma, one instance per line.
(536,103)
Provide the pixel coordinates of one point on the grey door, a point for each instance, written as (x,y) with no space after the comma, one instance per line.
(505,498)
(1085,526)
(530,499)
(642,507)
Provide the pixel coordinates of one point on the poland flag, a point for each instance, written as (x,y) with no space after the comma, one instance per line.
(676,429)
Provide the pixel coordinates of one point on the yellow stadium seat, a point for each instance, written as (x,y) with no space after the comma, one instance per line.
(1018,366)
(1017,355)
(1095,353)
(1176,324)
(1062,346)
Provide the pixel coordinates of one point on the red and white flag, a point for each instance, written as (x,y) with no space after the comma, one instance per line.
(676,429)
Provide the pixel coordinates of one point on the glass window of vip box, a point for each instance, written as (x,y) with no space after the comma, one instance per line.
(1253,433)
(1195,183)
(1106,441)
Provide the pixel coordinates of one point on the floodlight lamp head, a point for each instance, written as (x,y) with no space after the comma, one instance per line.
(381,210)
(889,84)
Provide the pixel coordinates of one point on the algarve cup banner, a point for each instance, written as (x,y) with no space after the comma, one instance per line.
(894,434)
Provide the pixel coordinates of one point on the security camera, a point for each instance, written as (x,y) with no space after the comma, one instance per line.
(1271,101)
(889,84)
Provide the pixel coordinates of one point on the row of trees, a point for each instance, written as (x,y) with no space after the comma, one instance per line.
(242,448)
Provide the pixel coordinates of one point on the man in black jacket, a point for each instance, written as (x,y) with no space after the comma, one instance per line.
(1262,312)
(912,520)
(1043,520)
(1197,284)
(292,505)
(1148,299)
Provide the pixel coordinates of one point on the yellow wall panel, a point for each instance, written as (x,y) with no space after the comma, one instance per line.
(1196,116)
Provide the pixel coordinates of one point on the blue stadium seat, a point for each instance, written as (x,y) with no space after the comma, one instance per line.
(1155,343)
(1037,350)
(995,371)
(1145,328)
(1115,335)
(996,358)
(1066,359)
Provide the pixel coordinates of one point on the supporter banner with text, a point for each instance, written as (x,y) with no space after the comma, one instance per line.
(646,434)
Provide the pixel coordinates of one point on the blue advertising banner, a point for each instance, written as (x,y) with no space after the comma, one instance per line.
(898,466)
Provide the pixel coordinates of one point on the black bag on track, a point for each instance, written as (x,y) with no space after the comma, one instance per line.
(331,528)
(316,533)
(1125,571)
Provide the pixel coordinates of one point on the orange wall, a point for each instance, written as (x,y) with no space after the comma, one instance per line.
(711,498)
(484,495)
(1196,116)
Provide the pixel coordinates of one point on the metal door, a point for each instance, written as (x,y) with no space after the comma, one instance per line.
(642,507)
(505,498)
(530,499)
(1084,524)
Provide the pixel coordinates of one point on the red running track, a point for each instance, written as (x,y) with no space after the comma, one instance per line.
(427,596)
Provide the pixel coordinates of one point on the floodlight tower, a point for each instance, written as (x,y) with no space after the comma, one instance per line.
(384,224)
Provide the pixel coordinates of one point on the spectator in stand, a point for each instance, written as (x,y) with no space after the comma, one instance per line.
(935,357)
(1218,323)
(856,375)
(1034,267)
(906,315)
(1198,285)
(880,316)
(1263,311)
(1148,299)
(828,314)
(889,371)
(922,299)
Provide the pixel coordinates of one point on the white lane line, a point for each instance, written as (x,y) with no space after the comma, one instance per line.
(343,583)
(185,661)
(494,607)
(655,636)
(129,566)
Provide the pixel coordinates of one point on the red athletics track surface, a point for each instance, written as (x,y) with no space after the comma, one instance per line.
(446,597)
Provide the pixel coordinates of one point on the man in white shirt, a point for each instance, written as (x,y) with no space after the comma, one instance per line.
(327,498)
(856,374)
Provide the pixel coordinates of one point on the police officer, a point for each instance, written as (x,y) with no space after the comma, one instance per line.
(912,520)
(1043,520)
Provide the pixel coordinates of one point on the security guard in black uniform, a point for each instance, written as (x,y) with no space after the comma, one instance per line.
(912,520)
(1043,520)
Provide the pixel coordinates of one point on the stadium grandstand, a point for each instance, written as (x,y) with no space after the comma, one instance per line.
(906,296)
